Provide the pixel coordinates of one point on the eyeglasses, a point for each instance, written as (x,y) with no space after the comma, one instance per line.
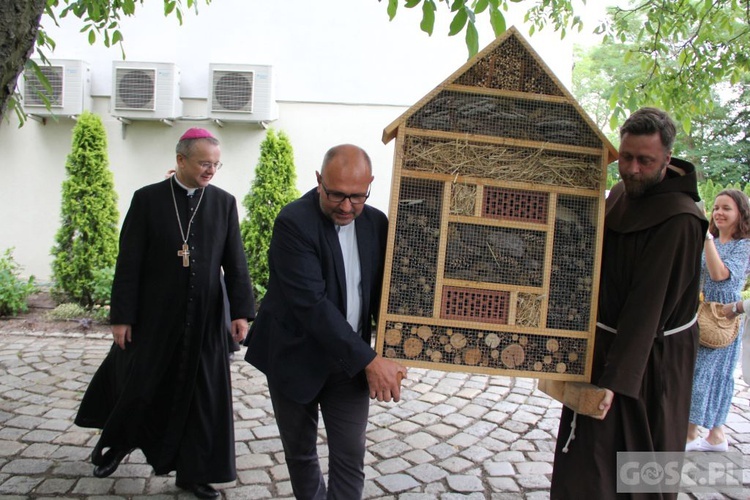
(205,165)
(336,197)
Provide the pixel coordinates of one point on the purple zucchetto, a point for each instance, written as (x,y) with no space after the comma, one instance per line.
(196,133)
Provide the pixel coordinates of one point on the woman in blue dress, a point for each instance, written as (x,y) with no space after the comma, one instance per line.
(724,272)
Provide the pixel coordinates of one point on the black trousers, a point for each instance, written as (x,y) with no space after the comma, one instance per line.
(344,404)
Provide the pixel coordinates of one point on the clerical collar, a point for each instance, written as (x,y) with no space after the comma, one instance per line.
(190,191)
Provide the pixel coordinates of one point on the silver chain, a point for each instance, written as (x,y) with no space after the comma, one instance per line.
(177,212)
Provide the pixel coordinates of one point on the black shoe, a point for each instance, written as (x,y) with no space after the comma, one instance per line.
(200,490)
(111,461)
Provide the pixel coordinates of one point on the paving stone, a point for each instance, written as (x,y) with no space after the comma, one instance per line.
(534,468)
(427,473)
(39,450)
(27,466)
(499,468)
(390,449)
(476,454)
(465,484)
(253,476)
(19,485)
(455,464)
(247,492)
(129,486)
(396,483)
(441,430)
(392,466)
(442,450)
(532,481)
(381,435)
(10,448)
(463,440)
(421,440)
(418,457)
(458,420)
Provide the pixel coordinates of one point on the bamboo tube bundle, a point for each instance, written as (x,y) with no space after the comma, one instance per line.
(509,67)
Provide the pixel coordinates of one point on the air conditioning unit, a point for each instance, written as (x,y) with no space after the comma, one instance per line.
(241,92)
(145,91)
(70,92)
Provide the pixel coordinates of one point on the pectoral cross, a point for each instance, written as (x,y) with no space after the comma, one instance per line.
(185,254)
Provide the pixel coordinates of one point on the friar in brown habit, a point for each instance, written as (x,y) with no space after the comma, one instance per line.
(647,336)
(165,385)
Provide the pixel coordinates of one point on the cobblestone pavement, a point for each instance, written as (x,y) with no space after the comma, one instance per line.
(453,435)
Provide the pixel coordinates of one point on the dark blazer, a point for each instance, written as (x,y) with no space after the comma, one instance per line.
(301,335)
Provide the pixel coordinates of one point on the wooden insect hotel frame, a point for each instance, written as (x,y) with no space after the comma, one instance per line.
(496,220)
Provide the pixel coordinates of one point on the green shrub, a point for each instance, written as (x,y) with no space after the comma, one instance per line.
(273,187)
(102,286)
(100,313)
(87,237)
(13,289)
(67,311)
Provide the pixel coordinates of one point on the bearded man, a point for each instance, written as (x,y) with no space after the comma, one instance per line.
(647,335)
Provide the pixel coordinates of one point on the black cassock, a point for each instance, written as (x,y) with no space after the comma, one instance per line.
(169,392)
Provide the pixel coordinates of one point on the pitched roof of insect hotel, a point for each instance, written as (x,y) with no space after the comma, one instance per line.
(507,91)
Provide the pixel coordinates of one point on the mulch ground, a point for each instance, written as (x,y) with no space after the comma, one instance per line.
(36,319)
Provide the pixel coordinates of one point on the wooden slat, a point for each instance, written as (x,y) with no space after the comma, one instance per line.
(524,96)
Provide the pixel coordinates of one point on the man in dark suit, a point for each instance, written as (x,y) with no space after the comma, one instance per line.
(312,334)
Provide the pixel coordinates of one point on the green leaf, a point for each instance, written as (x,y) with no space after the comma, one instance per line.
(128,7)
(686,125)
(497,20)
(392,8)
(410,4)
(457,4)
(472,39)
(458,23)
(428,16)
(92,37)
(480,6)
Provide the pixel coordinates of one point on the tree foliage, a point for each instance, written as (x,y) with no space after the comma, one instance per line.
(273,187)
(716,142)
(87,238)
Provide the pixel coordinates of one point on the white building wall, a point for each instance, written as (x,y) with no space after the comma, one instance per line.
(342,73)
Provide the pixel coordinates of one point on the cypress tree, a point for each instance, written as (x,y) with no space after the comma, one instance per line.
(273,187)
(87,238)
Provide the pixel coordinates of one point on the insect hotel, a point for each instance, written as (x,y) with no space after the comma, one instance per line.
(496,220)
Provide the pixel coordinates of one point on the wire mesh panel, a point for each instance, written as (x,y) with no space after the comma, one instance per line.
(416,243)
(495,223)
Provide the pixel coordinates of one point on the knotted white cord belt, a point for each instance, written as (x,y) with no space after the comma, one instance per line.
(609,329)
